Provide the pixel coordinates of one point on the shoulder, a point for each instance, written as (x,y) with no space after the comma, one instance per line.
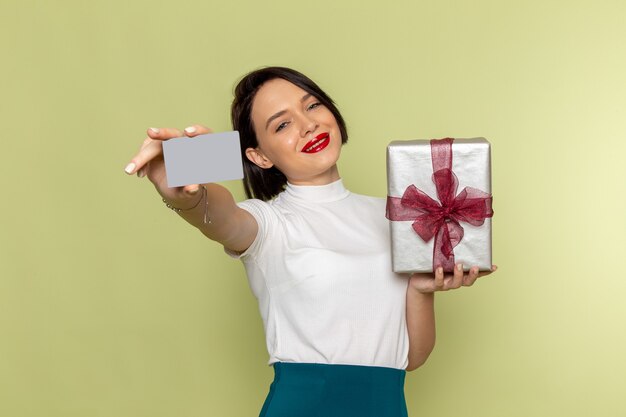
(369,208)
(265,213)
(266,218)
(375,203)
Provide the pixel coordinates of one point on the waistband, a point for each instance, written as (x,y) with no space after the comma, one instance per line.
(359,375)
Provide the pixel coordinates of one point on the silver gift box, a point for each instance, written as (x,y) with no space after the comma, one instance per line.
(410,162)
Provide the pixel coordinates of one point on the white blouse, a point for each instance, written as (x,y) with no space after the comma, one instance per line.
(320,267)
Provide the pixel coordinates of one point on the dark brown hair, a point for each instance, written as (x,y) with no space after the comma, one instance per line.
(262,183)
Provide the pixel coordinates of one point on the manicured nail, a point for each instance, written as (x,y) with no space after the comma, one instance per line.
(459,267)
(154,130)
(190,129)
(130,167)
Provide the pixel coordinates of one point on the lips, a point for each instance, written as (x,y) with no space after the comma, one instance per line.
(320,142)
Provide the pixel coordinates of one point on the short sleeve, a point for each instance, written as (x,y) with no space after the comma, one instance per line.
(265,217)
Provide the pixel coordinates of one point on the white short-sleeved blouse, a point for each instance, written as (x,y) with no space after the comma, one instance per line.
(320,267)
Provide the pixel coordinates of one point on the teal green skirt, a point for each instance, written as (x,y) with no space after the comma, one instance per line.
(319,390)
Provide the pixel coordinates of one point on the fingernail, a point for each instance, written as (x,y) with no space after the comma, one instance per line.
(130,167)
(440,270)
(494,268)
(190,129)
(459,267)
(154,130)
(192,192)
(141,173)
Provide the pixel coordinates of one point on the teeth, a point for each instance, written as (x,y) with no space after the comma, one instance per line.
(315,144)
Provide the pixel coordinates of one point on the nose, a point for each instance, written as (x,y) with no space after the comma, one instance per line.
(307,124)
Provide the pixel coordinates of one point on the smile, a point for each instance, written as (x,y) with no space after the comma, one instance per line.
(320,142)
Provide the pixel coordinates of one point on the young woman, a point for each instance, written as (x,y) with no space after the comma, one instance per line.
(341,328)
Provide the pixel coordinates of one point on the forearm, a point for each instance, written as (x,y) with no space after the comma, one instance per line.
(219,207)
(420,318)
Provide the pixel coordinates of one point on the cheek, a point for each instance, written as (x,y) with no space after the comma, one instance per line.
(280,149)
(329,119)
(287,141)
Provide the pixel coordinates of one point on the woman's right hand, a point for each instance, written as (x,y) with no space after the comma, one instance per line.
(149,162)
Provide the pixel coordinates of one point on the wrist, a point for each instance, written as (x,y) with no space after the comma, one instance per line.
(188,203)
(425,294)
(190,208)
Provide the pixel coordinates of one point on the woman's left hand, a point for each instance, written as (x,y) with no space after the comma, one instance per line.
(425,283)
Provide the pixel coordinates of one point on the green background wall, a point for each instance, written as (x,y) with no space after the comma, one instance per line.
(112,306)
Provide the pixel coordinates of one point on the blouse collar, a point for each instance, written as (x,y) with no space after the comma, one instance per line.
(318,193)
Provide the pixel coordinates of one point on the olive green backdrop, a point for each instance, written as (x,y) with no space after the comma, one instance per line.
(110,305)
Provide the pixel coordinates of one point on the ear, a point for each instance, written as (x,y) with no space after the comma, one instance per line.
(258,158)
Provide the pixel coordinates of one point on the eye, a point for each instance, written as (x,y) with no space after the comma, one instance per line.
(314,105)
(281,126)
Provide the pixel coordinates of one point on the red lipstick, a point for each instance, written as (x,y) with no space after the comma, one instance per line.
(315,145)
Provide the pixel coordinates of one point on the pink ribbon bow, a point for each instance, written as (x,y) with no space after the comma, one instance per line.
(441,219)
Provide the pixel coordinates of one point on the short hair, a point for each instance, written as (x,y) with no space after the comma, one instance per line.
(258,182)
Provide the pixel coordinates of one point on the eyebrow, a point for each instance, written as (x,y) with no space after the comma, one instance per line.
(282,112)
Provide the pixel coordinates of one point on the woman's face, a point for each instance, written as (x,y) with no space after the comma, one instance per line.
(296,133)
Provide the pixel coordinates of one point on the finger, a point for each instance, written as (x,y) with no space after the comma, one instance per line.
(151,150)
(457,279)
(147,141)
(439,282)
(143,170)
(191,189)
(195,130)
(163,133)
(494,268)
(471,277)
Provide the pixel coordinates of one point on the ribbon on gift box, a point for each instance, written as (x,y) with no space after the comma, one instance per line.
(441,219)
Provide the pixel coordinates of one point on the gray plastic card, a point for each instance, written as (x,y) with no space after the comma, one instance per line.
(202,159)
